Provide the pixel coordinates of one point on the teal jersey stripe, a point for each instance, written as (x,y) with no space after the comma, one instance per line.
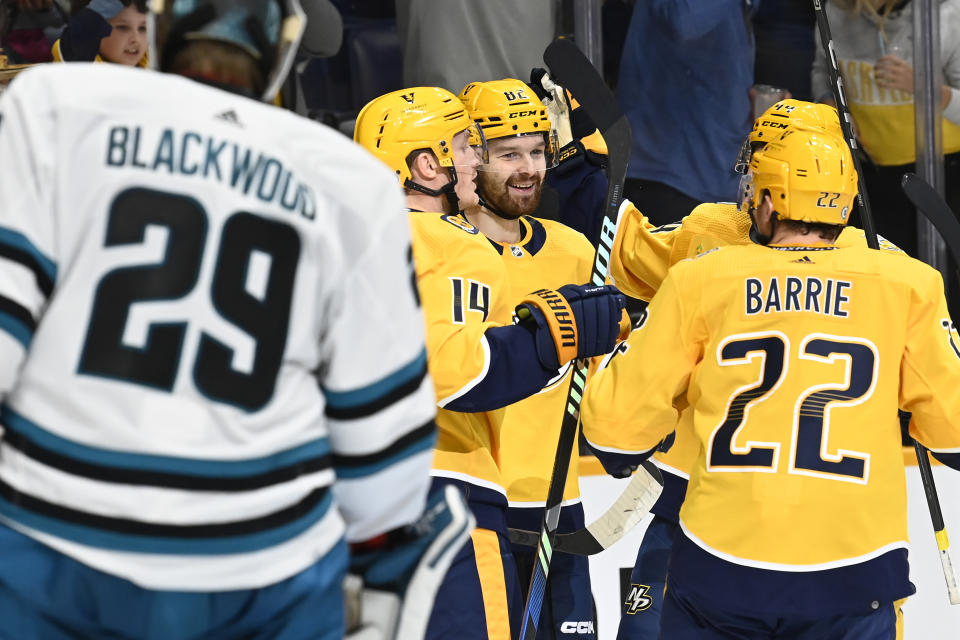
(159,463)
(372,392)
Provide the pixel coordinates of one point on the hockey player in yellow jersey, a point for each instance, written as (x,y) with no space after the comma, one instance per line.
(644,254)
(536,253)
(794,356)
(479,359)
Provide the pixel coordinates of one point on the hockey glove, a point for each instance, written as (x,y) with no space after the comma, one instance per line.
(621,464)
(575,321)
(402,570)
(554,98)
(576,132)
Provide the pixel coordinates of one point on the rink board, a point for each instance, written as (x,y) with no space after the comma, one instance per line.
(929,615)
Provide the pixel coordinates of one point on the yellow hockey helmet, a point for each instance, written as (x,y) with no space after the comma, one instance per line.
(396,124)
(809,174)
(508,107)
(787,115)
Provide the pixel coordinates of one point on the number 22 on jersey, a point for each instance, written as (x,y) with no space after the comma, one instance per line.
(810,451)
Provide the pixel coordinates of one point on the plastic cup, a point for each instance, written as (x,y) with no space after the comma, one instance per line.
(765,96)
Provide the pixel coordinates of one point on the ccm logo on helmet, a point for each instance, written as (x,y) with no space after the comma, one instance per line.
(522,114)
(585,626)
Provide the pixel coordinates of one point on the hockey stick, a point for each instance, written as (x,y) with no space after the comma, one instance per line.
(939,527)
(846,122)
(931,205)
(573,70)
(629,509)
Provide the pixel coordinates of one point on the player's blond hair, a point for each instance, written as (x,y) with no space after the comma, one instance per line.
(225,63)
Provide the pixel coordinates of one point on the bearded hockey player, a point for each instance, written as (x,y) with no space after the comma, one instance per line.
(481,362)
(536,254)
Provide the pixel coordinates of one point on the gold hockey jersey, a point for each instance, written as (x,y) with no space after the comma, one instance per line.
(550,255)
(794,361)
(462,284)
(644,253)
(468,286)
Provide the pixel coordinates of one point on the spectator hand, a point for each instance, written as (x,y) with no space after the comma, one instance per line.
(892,72)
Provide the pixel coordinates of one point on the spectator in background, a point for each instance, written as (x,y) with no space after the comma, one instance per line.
(449,43)
(873,41)
(785,45)
(105,31)
(27,27)
(685,77)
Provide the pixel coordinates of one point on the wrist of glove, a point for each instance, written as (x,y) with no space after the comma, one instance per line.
(575,321)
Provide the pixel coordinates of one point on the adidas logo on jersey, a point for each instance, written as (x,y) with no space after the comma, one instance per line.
(229,116)
(804,260)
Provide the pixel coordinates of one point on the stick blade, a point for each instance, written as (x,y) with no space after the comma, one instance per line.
(630,508)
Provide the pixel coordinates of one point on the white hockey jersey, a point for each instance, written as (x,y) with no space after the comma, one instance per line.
(207,313)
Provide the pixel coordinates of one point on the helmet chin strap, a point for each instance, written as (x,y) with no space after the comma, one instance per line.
(448,190)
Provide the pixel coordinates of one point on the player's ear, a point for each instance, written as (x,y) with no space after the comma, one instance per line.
(424,167)
(767,201)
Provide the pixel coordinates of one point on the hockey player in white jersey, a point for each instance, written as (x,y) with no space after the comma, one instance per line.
(207,314)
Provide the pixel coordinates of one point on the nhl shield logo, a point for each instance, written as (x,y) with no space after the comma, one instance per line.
(517,251)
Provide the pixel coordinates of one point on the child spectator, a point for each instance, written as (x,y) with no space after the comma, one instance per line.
(105,31)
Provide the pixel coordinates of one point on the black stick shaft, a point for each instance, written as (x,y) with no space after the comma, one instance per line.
(846,122)
(578,75)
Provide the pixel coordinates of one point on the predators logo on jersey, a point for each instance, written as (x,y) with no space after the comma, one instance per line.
(637,600)
(460,223)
